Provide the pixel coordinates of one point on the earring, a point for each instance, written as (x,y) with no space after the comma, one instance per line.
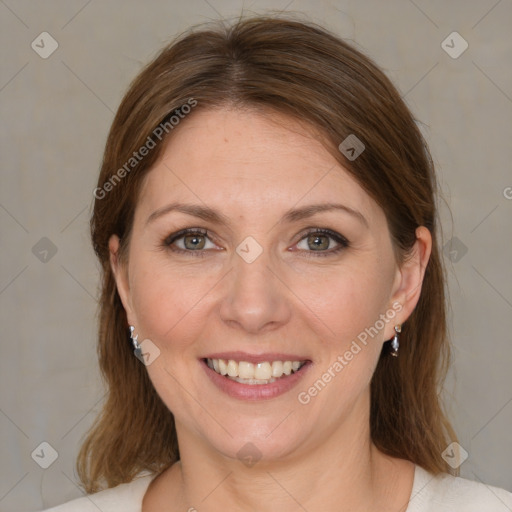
(395,341)
(137,350)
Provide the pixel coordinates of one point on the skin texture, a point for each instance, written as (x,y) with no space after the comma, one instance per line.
(253,168)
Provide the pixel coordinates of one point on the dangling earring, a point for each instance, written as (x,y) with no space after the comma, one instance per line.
(395,341)
(137,349)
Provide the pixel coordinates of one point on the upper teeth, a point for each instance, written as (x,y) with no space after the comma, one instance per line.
(260,371)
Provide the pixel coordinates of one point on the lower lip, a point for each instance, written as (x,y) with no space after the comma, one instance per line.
(255,391)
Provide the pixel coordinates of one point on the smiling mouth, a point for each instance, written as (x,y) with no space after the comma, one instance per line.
(264,372)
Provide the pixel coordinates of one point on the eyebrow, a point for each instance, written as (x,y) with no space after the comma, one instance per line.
(293,215)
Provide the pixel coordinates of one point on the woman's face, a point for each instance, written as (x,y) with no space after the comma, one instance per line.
(287,260)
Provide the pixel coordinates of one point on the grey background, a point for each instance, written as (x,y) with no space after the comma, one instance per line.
(56,113)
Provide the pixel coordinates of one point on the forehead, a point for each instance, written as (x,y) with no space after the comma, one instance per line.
(240,160)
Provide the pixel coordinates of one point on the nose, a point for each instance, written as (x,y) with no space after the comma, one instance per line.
(255,300)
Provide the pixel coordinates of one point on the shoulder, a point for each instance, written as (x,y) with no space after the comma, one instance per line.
(123,498)
(446,493)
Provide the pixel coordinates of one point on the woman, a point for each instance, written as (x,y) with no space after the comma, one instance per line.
(266,223)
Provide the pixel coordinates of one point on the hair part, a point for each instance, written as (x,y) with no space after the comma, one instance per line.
(301,70)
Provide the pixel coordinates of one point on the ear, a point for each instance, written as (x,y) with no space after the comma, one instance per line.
(120,271)
(409,280)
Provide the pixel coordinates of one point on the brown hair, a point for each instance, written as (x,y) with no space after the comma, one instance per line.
(299,69)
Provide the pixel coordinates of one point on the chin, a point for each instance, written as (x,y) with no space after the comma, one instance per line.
(260,440)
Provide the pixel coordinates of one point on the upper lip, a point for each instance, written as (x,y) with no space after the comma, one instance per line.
(255,358)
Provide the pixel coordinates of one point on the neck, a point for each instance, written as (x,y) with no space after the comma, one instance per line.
(344,472)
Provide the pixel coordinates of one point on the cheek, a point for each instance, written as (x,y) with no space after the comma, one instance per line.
(346,301)
(348,354)
(168,305)
(349,304)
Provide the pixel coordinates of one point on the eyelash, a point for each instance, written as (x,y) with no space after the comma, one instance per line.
(342,242)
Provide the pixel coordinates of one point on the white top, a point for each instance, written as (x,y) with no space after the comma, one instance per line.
(442,493)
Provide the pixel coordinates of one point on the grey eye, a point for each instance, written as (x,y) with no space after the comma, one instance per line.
(194,241)
(316,242)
